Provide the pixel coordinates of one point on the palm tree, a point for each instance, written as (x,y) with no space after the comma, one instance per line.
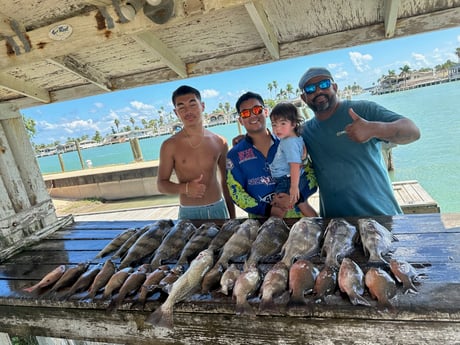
(289,90)
(275,86)
(117,124)
(405,70)
(270,88)
(457,51)
(131,119)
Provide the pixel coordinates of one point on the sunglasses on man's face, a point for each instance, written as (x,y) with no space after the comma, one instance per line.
(256,110)
(323,84)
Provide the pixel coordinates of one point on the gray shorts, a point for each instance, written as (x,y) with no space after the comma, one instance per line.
(216,210)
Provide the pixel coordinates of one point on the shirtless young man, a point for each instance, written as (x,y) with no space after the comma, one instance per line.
(195,155)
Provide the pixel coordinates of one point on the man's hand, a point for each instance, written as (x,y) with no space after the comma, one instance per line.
(196,189)
(360,130)
(237,139)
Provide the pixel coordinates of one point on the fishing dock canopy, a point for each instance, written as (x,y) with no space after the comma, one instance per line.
(57,50)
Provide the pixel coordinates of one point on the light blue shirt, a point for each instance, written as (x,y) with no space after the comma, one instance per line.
(290,150)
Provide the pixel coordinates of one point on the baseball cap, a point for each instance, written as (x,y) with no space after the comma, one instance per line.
(313,72)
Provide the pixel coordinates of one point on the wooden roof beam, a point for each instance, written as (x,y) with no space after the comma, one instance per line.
(85,71)
(263,26)
(27,89)
(5,26)
(153,44)
(390,17)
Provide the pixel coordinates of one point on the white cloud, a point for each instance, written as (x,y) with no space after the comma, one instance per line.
(209,93)
(99,105)
(421,60)
(360,61)
(141,106)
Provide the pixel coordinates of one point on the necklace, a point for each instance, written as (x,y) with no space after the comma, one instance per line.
(190,140)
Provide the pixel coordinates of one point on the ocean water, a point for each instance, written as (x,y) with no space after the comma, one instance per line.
(433,160)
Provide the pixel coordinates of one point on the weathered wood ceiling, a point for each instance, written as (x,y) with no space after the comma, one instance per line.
(105,51)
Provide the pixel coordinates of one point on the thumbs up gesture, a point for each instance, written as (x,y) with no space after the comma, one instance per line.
(360,130)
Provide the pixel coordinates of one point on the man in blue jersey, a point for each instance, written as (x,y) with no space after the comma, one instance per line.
(249,181)
(344,142)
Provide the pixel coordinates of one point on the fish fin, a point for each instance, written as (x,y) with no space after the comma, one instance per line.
(244,308)
(359,300)
(161,317)
(267,305)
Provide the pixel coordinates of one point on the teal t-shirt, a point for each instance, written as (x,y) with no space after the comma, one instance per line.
(352,177)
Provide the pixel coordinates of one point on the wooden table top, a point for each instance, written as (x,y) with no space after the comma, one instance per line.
(432,315)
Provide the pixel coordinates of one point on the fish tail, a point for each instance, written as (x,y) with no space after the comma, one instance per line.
(297,300)
(409,287)
(244,308)
(161,317)
(358,299)
(30,289)
(267,305)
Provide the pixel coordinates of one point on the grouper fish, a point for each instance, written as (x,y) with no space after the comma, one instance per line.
(339,239)
(375,238)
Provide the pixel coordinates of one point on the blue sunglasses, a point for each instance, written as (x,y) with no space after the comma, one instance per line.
(311,88)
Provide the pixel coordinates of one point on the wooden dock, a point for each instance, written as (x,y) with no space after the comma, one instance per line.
(430,317)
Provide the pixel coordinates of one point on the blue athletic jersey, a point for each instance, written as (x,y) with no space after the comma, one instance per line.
(249,181)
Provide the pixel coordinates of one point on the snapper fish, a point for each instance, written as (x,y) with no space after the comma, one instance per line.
(381,286)
(326,282)
(376,239)
(274,287)
(49,279)
(351,281)
(246,286)
(229,277)
(404,273)
(70,276)
(187,284)
(302,276)
(339,238)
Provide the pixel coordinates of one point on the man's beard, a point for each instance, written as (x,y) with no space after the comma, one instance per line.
(322,106)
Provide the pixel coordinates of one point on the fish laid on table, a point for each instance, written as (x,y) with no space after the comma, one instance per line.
(351,281)
(404,273)
(271,237)
(199,241)
(150,284)
(147,243)
(173,243)
(302,276)
(326,282)
(121,252)
(70,276)
(84,281)
(245,287)
(170,278)
(339,239)
(381,286)
(238,245)
(101,279)
(116,243)
(228,279)
(375,238)
(49,279)
(184,287)
(116,281)
(303,241)
(132,283)
(226,231)
(274,287)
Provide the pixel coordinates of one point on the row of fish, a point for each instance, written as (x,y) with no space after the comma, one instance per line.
(205,257)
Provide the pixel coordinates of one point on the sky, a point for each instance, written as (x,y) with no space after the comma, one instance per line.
(362,65)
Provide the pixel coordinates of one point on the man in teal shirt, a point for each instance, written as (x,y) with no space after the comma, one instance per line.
(344,142)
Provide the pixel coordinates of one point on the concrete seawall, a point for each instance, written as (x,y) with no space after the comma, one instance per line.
(113,182)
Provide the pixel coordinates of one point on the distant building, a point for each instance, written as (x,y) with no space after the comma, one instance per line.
(454,72)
